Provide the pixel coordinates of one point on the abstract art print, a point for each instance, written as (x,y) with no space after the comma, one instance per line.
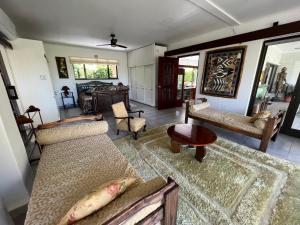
(222,72)
(62,67)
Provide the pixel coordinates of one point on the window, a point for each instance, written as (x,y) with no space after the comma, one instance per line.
(89,68)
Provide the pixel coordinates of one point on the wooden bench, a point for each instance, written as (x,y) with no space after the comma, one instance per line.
(270,131)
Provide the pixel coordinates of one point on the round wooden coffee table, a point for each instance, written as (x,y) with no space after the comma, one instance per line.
(192,135)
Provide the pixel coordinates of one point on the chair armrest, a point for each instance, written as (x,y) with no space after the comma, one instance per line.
(138,111)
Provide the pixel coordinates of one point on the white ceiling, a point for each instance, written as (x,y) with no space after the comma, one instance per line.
(135,22)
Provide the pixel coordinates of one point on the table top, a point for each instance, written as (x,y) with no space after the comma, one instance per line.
(195,135)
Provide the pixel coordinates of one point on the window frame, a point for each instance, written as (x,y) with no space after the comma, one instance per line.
(85,75)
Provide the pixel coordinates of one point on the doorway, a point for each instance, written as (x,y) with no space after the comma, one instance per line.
(187,78)
(177,79)
(277,82)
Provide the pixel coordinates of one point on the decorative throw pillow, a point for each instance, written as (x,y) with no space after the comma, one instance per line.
(260,115)
(260,123)
(96,199)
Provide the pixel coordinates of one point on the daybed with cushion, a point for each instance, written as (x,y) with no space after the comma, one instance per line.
(263,129)
(77,159)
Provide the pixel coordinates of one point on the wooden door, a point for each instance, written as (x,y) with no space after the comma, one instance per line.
(167,82)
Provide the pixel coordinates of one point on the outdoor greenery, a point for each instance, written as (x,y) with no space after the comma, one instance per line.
(190,74)
(95,71)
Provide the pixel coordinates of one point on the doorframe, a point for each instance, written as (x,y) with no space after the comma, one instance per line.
(187,66)
(261,61)
(291,111)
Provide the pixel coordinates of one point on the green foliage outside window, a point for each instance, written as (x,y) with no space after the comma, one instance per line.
(95,71)
(190,74)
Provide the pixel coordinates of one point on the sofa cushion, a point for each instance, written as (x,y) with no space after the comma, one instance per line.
(96,199)
(68,170)
(226,118)
(66,133)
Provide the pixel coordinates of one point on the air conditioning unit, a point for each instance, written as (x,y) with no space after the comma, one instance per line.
(7,27)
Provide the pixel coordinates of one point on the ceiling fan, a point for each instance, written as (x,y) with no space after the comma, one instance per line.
(113,42)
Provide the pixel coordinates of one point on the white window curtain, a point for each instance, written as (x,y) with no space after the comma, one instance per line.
(80,60)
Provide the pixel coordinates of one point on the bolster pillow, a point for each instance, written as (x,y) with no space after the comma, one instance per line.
(66,133)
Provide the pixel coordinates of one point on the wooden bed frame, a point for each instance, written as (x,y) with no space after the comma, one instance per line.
(167,195)
(270,131)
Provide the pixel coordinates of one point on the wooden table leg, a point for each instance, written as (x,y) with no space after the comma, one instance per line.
(175,146)
(200,153)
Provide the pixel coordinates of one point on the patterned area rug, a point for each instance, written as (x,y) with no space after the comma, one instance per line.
(233,185)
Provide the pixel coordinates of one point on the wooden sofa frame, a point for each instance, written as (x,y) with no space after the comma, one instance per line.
(166,213)
(167,195)
(270,131)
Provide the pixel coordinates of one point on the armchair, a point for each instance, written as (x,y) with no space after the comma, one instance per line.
(126,122)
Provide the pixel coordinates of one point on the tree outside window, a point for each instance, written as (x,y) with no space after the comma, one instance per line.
(95,71)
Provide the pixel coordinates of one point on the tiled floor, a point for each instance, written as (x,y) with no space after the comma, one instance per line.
(285,147)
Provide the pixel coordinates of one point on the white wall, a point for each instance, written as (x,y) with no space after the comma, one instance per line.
(292,62)
(15,172)
(273,55)
(53,50)
(240,103)
(31,76)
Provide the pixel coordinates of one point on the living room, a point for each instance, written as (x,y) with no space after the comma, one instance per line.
(149,112)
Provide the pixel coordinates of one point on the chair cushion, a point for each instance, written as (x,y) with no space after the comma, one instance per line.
(70,132)
(119,110)
(135,124)
(96,199)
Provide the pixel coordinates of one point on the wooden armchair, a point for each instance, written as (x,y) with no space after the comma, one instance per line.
(126,122)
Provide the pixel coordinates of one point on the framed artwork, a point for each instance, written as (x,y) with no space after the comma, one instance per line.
(222,72)
(62,67)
